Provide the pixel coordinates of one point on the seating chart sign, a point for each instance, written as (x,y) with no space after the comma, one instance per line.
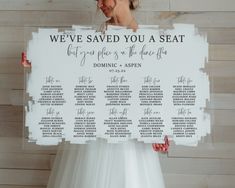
(117,85)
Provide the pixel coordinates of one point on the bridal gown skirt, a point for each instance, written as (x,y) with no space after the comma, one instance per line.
(101,165)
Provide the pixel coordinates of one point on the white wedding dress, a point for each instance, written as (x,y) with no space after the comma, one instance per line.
(100,164)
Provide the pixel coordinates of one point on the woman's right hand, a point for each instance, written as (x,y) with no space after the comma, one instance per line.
(24,62)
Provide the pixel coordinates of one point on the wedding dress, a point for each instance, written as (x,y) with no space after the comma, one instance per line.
(100,164)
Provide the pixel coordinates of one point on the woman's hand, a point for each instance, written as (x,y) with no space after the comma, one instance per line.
(162,147)
(24,62)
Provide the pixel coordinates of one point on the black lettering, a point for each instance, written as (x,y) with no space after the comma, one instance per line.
(54,38)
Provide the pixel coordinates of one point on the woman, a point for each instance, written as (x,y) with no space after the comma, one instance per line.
(101,165)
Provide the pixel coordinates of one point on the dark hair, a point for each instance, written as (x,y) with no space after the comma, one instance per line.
(133,4)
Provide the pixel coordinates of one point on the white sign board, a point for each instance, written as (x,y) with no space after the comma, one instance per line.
(118,85)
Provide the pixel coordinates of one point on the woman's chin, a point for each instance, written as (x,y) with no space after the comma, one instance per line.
(107,14)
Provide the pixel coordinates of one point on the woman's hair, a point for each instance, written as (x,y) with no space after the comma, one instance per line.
(133,4)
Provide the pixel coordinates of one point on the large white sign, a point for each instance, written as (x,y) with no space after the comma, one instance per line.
(118,85)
